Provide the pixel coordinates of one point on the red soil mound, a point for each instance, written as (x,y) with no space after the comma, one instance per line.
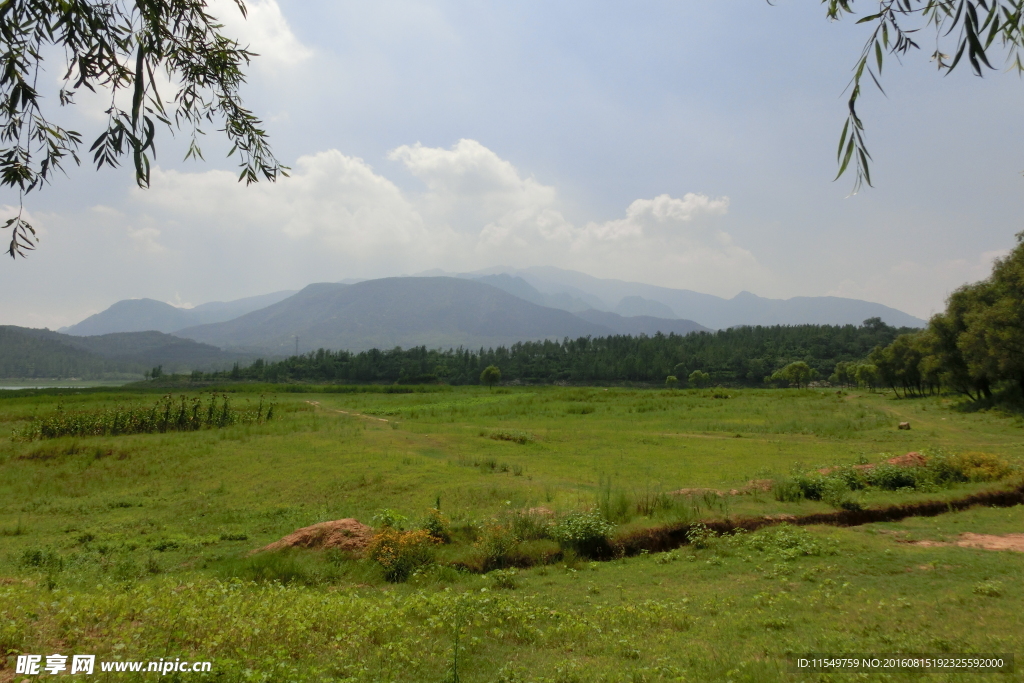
(343,534)
(912,459)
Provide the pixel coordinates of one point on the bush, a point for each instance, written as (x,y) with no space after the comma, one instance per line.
(400,553)
(513,435)
(837,494)
(389,519)
(584,532)
(787,491)
(504,578)
(700,536)
(893,477)
(529,526)
(976,466)
(811,486)
(43,559)
(497,543)
(436,525)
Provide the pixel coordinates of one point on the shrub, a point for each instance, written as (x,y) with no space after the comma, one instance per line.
(811,486)
(976,466)
(503,578)
(387,518)
(436,525)
(787,491)
(400,553)
(513,435)
(529,526)
(836,493)
(892,477)
(583,532)
(43,559)
(700,536)
(497,543)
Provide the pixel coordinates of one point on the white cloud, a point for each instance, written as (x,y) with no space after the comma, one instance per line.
(146,240)
(329,200)
(470,187)
(663,215)
(264,30)
(203,236)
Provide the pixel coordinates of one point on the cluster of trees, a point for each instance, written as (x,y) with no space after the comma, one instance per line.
(741,356)
(974,347)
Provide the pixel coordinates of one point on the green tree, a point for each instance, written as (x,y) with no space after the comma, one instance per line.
(490,376)
(973,379)
(672,382)
(866,375)
(993,339)
(798,373)
(963,28)
(699,379)
(899,364)
(843,374)
(113,46)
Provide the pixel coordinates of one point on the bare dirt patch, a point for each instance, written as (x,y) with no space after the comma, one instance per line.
(344,534)
(1014,542)
(912,459)
(754,486)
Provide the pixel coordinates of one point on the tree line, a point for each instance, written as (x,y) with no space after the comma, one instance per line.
(975,347)
(741,356)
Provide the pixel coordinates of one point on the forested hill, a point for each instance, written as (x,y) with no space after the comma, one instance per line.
(33,353)
(24,354)
(738,356)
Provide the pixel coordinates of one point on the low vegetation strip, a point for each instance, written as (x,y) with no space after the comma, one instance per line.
(167,415)
(669,537)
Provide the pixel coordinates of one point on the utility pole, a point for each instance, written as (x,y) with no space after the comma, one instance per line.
(296,344)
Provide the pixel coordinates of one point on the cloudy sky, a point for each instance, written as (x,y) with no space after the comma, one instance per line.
(682,143)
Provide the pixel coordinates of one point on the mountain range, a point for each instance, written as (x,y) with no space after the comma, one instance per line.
(575,291)
(413,311)
(495,307)
(140,315)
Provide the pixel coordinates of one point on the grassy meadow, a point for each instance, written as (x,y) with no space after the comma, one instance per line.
(137,546)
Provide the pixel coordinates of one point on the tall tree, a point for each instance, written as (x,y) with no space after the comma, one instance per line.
(993,338)
(119,46)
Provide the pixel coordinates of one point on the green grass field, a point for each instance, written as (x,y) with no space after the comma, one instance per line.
(136,547)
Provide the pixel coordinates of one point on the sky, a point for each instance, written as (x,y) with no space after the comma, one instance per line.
(681,143)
